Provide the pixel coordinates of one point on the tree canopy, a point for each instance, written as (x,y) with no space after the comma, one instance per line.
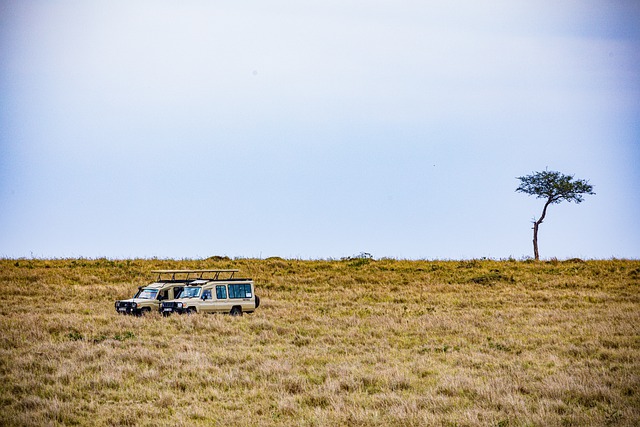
(554,186)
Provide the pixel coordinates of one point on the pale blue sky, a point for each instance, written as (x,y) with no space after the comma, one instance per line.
(316,129)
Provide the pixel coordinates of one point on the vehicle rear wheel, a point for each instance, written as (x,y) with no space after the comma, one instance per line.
(257,301)
(236,311)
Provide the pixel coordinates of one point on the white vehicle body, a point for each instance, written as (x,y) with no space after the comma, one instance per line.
(213,294)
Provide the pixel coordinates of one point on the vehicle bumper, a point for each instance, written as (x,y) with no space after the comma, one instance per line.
(128,310)
(170,310)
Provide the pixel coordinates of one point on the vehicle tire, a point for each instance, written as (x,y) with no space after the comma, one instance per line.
(257,301)
(144,311)
(191,310)
(236,311)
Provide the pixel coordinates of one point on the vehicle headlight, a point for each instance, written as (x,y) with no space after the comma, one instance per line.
(179,305)
(135,304)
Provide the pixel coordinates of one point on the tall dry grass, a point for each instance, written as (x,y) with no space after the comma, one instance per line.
(354,342)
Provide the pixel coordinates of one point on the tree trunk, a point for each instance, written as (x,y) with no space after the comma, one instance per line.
(536,224)
(536,254)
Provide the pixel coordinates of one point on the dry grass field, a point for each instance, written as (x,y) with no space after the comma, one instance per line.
(354,342)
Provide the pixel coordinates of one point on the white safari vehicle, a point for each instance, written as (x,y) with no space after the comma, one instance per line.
(168,285)
(213,291)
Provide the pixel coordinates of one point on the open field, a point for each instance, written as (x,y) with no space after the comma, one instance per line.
(356,342)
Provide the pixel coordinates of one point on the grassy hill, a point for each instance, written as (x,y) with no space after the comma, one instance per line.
(356,342)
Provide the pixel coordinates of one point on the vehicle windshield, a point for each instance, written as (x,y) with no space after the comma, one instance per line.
(147,294)
(191,292)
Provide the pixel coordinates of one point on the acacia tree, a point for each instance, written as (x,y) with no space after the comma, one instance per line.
(554,187)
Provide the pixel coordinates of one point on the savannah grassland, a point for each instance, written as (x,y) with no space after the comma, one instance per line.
(335,343)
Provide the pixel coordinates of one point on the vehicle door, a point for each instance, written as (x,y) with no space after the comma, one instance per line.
(207,302)
(222,303)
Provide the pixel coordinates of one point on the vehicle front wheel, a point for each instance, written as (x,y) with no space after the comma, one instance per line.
(142,312)
(236,311)
(191,310)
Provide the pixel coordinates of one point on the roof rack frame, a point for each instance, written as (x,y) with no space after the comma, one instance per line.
(200,273)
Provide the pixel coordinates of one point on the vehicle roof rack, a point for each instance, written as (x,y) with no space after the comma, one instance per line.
(199,273)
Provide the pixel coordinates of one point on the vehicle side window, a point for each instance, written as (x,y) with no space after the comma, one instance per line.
(206,294)
(177,291)
(221,292)
(240,291)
